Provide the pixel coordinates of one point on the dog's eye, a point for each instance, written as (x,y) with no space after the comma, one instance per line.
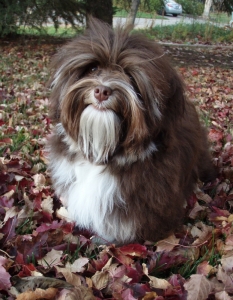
(93,69)
(90,70)
(130,77)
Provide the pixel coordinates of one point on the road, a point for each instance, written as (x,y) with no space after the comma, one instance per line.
(169,20)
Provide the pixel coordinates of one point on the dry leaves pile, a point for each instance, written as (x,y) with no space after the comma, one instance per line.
(43,257)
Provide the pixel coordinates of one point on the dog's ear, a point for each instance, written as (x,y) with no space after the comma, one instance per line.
(137,132)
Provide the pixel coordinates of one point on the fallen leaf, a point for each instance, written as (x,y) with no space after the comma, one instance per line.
(71,278)
(198,287)
(158,283)
(205,269)
(202,231)
(47,205)
(225,278)
(227,262)
(150,296)
(196,209)
(134,250)
(222,296)
(100,279)
(52,258)
(77,265)
(49,293)
(167,244)
(5,283)
(127,295)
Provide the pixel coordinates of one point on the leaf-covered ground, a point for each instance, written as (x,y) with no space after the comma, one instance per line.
(41,254)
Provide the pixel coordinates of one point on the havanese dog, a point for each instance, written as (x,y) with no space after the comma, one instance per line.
(127,148)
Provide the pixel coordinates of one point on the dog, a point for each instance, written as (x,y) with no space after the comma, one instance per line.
(127,148)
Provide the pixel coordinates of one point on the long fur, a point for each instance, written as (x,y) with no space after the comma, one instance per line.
(123,165)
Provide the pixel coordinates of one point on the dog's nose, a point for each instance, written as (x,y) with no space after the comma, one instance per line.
(102,92)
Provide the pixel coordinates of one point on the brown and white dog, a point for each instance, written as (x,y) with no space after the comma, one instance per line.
(127,148)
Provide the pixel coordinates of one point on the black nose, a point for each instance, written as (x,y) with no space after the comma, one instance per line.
(102,92)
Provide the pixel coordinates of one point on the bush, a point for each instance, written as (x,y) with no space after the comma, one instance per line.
(151,5)
(148,6)
(34,13)
(192,7)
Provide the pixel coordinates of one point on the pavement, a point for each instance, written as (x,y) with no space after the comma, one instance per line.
(168,20)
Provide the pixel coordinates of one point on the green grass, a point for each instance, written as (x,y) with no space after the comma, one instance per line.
(63,31)
(190,33)
(220,17)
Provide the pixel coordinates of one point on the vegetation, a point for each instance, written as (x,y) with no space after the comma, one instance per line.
(36,13)
(190,33)
(191,7)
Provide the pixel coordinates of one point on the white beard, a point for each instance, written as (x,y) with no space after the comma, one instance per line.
(98,134)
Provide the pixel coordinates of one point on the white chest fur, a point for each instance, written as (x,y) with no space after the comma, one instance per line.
(93,199)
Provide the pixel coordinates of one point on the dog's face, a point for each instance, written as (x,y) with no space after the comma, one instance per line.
(113,93)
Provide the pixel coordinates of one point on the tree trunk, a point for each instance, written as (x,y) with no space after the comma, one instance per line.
(206,13)
(133,11)
(100,9)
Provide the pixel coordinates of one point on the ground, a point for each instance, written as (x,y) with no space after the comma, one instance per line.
(203,56)
(43,257)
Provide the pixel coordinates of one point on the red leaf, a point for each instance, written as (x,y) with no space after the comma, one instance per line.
(134,274)
(5,141)
(134,250)
(215,135)
(98,264)
(9,229)
(26,270)
(34,247)
(124,259)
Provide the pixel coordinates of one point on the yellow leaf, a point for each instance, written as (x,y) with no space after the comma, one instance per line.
(100,279)
(158,283)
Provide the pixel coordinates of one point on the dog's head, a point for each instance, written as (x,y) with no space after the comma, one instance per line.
(114,92)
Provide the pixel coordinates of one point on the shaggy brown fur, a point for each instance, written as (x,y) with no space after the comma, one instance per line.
(160,148)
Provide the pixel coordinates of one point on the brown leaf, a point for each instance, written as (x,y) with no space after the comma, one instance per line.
(202,232)
(222,296)
(205,269)
(202,196)
(52,258)
(77,265)
(198,287)
(100,279)
(71,278)
(225,278)
(50,293)
(227,262)
(196,209)
(79,293)
(167,244)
